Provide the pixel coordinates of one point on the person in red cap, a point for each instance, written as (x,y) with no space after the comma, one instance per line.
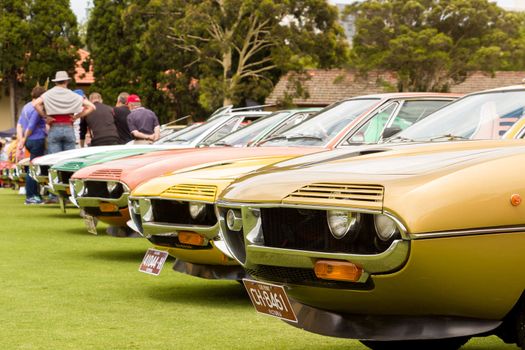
(143,123)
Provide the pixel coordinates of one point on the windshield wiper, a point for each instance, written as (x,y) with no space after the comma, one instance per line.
(221,143)
(400,139)
(308,137)
(449,137)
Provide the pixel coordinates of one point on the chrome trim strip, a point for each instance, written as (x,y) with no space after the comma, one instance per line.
(389,260)
(472,232)
(170,198)
(302,206)
(167,229)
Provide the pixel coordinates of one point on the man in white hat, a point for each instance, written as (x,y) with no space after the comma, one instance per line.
(61,106)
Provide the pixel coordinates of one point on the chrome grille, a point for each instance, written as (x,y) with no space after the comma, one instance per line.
(351,195)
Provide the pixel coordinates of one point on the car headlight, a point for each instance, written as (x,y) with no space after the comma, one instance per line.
(147,209)
(234,220)
(197,210)
(111,185)
(79,187)
(37,169)
(340,222)
(386,228)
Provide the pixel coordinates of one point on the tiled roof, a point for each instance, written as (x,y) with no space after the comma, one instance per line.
(328,86)
(81,76)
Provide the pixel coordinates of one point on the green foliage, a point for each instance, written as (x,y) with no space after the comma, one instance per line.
(242,47)
(37,38)
(431,43)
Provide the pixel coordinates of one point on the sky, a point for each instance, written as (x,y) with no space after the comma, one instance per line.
(79,6)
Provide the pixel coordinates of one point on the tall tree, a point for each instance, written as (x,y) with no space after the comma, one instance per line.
(431,43)
(243,46)
(14,31)
(37,38)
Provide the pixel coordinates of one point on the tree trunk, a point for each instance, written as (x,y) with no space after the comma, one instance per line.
(227,76)
(12,100)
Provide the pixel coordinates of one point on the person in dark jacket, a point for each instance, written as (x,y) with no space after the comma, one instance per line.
(121,111)
(101,124)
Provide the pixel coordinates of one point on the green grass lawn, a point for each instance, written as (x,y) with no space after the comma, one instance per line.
(63,288)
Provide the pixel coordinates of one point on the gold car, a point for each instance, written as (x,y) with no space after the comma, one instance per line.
(416,247)
(176,213)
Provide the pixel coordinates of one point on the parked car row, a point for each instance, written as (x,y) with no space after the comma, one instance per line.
(394,219)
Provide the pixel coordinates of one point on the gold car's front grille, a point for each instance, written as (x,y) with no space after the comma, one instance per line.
(106,174)
(348,195)
(195,192)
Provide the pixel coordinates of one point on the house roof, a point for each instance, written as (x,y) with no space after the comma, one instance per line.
(83,77)
(327,86)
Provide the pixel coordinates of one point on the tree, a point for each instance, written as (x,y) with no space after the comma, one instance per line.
(37,38)
(431,43)
(243,46)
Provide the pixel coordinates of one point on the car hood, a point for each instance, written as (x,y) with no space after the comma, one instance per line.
(76,163)
(464,184)
(214,176)
(135,170)
(51,159)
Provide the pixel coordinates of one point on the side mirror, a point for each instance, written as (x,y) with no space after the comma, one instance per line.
(391,131)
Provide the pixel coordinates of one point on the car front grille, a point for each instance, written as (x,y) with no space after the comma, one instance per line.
(307,229)
(99,189)
(177,212)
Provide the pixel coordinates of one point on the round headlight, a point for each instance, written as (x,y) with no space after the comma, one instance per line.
(386,228)
(135,206)
(234,220)
(111,186)
(340,222)
(197,209)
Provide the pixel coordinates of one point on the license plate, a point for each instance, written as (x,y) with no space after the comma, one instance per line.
(91,224)
(153,261)
(270,299)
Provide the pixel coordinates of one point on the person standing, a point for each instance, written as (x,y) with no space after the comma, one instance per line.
(101,123)
(59,105)
(121,112)
(142,122)
(33,138)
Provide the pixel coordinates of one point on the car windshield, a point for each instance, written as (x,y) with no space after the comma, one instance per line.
(243,136)
(171,135)
(480,116)
(188,137)
(327,124)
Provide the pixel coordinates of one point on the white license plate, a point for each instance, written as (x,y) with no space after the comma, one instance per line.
(270,299)
(153,261)
(91,224)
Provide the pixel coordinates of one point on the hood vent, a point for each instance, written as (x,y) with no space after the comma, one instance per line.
(109,174)
(195,192)
(333,194)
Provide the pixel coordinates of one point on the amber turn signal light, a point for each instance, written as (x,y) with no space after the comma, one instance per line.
(191,238)
(515,199)
(337,270)
(108,207)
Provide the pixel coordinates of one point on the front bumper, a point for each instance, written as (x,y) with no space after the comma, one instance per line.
(113,211)
(387,328)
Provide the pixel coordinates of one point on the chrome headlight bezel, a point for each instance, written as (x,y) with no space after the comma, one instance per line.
(342,222)
(234,220)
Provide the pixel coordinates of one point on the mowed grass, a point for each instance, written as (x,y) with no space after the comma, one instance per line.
(63,288)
